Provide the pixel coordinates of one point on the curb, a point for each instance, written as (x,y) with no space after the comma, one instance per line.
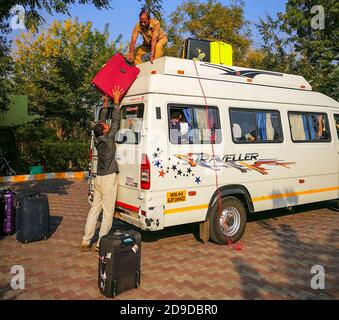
(45,176)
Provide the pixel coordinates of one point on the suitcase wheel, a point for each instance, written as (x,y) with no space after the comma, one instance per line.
(137,279)
(114,293)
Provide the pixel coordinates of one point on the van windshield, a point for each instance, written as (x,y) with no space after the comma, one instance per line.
(130,123)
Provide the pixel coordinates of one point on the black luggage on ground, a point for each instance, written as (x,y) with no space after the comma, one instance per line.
(119,262)
(32,217)
(196,49)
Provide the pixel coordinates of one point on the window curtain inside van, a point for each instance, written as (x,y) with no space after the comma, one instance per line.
(261,123)
(189,119)
(298,129)
(269,127)
(201,123)
(311,124)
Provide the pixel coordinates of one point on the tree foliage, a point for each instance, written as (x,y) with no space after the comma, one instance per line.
(154,7)
(6,68)
(54,67)
(32,8)
(291,44)
(209,20)
(32,19)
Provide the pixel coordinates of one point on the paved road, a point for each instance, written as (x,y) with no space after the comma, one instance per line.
(278,251)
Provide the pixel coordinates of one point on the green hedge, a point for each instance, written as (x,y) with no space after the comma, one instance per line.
(65,156)
(30,145)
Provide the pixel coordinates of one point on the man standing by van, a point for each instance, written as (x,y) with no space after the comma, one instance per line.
(153,36)
(105,182)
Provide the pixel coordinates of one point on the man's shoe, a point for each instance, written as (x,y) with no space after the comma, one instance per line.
(85,246)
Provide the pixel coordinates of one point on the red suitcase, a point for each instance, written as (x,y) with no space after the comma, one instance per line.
(117,71)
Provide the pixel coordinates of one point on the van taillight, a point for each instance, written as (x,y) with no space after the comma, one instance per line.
(145,173)
(90,154)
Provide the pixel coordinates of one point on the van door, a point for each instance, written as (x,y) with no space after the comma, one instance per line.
(128,155)
(336,138)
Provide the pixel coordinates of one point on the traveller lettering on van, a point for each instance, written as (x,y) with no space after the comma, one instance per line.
(236,161)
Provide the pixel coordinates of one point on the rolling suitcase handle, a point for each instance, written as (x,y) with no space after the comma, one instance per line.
(130,63)
(127,241)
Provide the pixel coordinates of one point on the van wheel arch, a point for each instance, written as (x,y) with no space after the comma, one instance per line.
(235,190)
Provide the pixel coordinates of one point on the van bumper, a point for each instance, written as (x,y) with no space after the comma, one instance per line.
(153,221)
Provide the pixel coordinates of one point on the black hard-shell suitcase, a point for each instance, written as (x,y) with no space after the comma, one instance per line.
(32,217)
(119,262)
(196,49)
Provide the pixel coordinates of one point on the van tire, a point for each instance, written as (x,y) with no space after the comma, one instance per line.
(234,210)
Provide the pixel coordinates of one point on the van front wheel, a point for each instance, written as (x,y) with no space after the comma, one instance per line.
(228,224)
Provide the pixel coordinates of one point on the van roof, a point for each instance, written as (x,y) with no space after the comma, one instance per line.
(206,70)
(178,77)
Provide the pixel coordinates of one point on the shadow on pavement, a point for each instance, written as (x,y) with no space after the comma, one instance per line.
(55,186)
(299,257)
(54,222)
(152,236)
(276,213)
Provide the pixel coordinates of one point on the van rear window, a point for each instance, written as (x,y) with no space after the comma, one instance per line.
(130,123)
(309,127)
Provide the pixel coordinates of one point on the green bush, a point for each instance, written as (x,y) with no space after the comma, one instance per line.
(66,156)
(34,145)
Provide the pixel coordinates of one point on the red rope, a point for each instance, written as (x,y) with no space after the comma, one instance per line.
(212,143)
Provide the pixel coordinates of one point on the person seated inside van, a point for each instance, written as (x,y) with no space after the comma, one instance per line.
(175,135)
(250,137)
(237,132)
(178,127)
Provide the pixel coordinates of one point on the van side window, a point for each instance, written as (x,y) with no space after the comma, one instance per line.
(309,127)
(336,119)
(130,124)
(190,124)
(255,126)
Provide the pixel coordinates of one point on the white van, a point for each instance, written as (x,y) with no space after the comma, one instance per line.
(265,140)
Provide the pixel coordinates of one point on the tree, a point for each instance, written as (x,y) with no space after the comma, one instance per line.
(33,18)
(154,7)
(211,21)
(295,42)
(55,68)
(6,67)
(32,8)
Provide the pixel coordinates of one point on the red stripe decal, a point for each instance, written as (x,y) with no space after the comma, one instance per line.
(127,206)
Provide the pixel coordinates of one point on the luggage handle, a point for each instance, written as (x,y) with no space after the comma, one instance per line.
(129,237)
(130,63)
(29,194)
(35,195)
